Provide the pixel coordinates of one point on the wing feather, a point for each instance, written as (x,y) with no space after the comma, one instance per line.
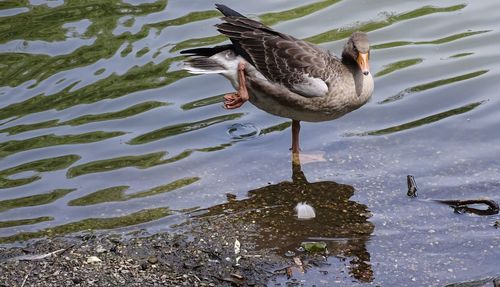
(296,64)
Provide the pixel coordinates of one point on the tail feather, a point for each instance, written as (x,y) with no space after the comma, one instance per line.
(203,65)
(206,62)
(228,11)
(207,52)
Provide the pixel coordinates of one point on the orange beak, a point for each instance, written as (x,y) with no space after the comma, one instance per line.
(363,63)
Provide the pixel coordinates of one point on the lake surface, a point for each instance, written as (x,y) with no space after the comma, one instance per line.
(101,129)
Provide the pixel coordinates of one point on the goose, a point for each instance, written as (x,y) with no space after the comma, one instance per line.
(283,75)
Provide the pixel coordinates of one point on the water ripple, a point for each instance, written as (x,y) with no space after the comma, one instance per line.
(117,193)
(342,33)
(42,165)
(94,105)
(432,85)
(34,200)
(14,146)
(420,122)
(182,128)
(86,119)
(399,65)
(93,224)
(439,41)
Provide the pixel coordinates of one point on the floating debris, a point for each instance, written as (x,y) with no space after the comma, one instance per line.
(464,206)
(412,186)
(313,247)
(459,206)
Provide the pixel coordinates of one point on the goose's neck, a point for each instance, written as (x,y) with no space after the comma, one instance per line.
(350,63)
(363,84)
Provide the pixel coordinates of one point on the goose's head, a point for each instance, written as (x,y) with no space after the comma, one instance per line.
(357,49)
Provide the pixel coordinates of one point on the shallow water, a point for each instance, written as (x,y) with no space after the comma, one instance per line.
(100,129)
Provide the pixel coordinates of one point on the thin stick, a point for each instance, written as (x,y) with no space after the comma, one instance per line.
(26,277)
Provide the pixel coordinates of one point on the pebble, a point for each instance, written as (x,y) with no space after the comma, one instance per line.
(93,259)
(152,259)
(100,249)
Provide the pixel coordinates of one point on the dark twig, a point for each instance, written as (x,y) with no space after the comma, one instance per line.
(460,206)
(26,277)
(412,186)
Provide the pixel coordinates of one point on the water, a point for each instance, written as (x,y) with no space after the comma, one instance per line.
(100,129)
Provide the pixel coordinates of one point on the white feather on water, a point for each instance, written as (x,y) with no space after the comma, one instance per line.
(305,211)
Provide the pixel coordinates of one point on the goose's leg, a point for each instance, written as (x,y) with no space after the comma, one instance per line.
(295,136)
(235,100)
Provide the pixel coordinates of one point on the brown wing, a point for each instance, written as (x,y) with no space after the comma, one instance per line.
(296,64)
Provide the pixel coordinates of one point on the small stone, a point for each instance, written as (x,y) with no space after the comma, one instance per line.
(93,259)
(76,280)
(152,259)
(100,249)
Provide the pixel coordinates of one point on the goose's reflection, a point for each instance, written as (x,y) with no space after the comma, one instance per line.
(341,223)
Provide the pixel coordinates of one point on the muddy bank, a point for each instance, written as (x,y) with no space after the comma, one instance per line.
(205,255)
(201,259)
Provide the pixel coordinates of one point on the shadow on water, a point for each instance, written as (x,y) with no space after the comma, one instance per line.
(340,222)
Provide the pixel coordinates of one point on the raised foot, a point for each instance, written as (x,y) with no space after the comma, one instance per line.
(241,67)
(233,101)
